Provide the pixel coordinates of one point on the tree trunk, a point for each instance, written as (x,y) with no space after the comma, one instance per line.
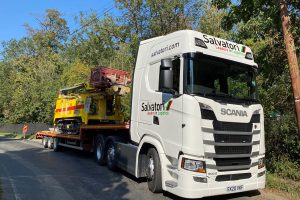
(292,58)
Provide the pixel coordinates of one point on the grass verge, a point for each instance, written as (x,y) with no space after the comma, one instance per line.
(17,136)
(289,187)
(8,135)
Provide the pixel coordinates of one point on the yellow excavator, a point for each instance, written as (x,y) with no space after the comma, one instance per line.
(96,102)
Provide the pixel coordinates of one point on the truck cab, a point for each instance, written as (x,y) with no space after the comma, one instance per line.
(194,101)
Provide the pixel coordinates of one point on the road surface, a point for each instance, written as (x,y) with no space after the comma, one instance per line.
(28,171)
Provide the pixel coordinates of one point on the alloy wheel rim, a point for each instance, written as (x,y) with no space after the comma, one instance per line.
(111,153)
(150,168)
(98,152)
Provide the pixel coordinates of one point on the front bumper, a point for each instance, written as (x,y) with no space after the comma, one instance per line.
(189,186)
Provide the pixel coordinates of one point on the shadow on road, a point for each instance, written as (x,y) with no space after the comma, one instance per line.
(1,189)
(5,139)
(37,173)
(220,197)
(71,174)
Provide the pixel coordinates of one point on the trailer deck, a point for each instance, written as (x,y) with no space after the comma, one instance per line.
(83,128)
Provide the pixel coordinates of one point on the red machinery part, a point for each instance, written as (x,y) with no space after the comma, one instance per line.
(105,77)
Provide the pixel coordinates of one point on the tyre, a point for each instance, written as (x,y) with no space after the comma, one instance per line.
(153,171)
(50,143)
(111,156)
(56,147)
(45,142)
(99,150)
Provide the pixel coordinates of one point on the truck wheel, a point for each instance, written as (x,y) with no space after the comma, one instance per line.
(50,143)
(111,156)
(99,150)
(153,171)
(55,144)
(45,142)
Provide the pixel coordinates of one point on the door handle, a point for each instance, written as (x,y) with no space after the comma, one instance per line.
(155,120)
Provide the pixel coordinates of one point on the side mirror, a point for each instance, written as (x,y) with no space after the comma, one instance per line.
(166,75)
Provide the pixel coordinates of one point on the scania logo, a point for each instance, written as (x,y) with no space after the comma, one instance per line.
(241,113)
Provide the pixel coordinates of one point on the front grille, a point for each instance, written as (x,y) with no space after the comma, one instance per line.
(226,138)
(232,126)
(232,161)
(233,177)
(234,155)
(233,149)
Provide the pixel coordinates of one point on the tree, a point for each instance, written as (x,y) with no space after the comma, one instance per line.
(257,24)
(144,19)
(32,67)
(75,73)
(292,58)
(97,42)
(211,21)
(52,33)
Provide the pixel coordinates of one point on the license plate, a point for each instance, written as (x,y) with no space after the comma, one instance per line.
(235,188)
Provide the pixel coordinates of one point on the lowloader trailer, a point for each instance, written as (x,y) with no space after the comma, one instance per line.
(196,127)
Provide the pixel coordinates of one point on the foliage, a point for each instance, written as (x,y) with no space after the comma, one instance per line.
(52,34)
(75,73)
(285,169)
(211,22)
(147,19)
(18,136)
(257,24)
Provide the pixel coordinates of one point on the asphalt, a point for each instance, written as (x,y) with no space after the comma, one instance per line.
(28,171)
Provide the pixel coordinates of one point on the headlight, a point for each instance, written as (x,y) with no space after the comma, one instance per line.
(193,165)
(261,162)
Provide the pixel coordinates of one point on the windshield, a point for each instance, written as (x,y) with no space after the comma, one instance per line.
(217,78)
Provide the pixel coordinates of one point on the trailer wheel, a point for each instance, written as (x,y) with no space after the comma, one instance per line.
(50,143)
(55,144)
(99,150)
(153,171)
(45,142)
(111,156)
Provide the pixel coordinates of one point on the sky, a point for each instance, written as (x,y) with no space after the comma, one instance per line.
(15,13)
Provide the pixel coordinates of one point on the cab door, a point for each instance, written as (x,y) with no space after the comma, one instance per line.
(167,120)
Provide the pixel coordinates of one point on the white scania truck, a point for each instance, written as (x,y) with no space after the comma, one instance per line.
(196,126)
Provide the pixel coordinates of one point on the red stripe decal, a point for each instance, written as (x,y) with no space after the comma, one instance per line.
(169,106)
(78,107)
